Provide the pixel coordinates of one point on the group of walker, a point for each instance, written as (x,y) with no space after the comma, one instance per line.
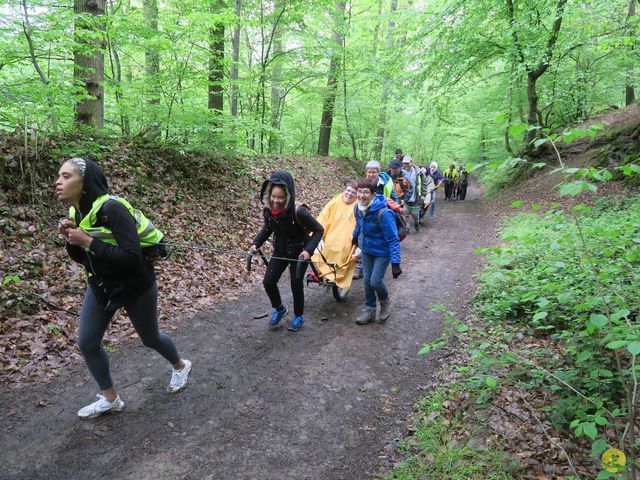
(355,236)
(116,244)
(457,183)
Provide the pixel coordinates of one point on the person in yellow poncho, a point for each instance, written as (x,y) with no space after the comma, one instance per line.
(338,221)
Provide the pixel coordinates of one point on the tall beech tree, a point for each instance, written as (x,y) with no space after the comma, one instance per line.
(384,96)
(215,90)
(332,80)
(629,89)
(535,67)
(88,61)
(152,66)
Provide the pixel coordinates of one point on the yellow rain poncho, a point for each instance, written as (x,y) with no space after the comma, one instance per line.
(338,222)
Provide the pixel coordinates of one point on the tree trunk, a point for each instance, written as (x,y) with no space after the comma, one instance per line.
(354,148)
(376,30)
(332,82)
(152,67)
(629,93)
(88,61)
(519,99)
(235,57)
(507,143)
(382,119)
(532,99)
(327,109)
(216,64)
(533,74)
(116,73)
(276,86)
(629,90)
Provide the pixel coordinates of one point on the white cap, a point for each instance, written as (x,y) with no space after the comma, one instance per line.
(407,159)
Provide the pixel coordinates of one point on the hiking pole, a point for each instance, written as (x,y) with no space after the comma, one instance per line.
(301,267)
(250,258)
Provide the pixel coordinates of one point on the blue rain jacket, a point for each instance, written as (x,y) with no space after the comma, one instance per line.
(378,239)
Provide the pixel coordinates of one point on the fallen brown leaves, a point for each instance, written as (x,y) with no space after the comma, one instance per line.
(211,203)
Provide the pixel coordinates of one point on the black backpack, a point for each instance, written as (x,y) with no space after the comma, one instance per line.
(400,215)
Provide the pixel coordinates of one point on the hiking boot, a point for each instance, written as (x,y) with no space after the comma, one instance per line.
(277,315)
(179,378)
(417,226)
(368,315)
(96,409)
(296,323)
(385,310)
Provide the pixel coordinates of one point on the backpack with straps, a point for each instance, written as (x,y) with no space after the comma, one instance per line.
(399,214)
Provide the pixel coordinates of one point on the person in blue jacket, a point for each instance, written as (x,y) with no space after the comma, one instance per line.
(376,234)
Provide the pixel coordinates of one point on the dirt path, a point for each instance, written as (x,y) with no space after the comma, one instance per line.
(321,403)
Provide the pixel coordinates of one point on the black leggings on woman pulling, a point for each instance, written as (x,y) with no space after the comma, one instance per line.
(275,269)
(94,320)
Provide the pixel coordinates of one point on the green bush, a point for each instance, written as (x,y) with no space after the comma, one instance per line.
(574,276)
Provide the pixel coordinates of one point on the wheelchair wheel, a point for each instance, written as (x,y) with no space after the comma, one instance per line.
(338,293)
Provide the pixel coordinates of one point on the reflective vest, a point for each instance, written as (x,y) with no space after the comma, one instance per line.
(148,234)
(386,182)
(451,174)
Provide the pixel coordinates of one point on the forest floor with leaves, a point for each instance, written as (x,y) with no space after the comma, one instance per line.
(332,401)
(319,403)
(199,205)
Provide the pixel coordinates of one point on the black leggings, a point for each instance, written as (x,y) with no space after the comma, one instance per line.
(275,269)
(94,320)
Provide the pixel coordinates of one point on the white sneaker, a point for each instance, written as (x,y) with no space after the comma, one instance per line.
(179,378)
(101,406)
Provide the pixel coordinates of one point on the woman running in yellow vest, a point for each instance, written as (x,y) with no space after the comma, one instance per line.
(111,240)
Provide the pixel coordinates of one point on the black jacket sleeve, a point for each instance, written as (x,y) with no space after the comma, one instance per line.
(127,252)
(264,233)
(75,252)
(311,224)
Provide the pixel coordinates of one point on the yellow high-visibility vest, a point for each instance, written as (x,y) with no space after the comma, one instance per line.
(148,234)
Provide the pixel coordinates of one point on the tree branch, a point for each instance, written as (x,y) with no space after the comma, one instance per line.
(551,42)
(26,27)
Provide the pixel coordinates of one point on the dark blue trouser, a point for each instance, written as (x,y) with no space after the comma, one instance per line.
(94,320)
(373,270)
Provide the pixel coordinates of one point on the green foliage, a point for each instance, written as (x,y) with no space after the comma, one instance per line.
(446,77)
(574,276)
(8,279)
(541,275)
(435,453)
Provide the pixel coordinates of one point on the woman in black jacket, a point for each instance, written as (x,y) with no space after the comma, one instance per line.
(118,276)
(290,226)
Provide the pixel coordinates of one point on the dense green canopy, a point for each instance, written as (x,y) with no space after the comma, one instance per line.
(441,79)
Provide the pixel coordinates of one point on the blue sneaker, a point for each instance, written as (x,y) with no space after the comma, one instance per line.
(277,315)
(296,323)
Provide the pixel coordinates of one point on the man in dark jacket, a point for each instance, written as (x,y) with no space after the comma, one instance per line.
(463,182)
